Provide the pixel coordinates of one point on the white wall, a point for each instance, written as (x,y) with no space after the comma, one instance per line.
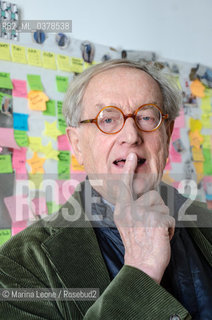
(175,29)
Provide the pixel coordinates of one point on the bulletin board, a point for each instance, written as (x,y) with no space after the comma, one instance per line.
(33,145)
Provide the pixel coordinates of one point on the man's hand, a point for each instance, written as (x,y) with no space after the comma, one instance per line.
(144,225)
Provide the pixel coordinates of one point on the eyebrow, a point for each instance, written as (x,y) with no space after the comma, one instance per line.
(102,105)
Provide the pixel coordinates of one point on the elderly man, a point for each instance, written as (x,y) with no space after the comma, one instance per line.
(117,232)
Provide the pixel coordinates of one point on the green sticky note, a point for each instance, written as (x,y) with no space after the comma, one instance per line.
(64,156)
(50,108)
(62,83)
(5,234)
(34,82)
(59,109)
(21,138)
(64,165)
(63,170)
(6,163)
(62,125)
(207,165)
(5,81)
(52,207)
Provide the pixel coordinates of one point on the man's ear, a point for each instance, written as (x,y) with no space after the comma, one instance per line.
(73,135)
(169,130)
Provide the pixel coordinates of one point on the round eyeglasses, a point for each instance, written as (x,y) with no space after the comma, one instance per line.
(111,120)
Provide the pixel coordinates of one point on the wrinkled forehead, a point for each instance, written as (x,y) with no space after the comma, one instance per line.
(121,87)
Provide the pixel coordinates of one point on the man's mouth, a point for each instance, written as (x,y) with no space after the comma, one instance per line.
(121,162)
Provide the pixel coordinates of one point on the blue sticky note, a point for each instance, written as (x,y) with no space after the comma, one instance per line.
(20,121)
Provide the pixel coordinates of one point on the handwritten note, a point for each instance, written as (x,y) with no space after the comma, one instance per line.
(180,120)
(50,108)
(7,138)
(49,152)
(64,165)
(48,59)
(63,63)
(35,82)
(197,154)
(207,162)
(34,57)
(19,161)
(20,121)
(5,163)
(18,54)
(76,65)
(37,100)
(207,143)
(196,139)
(36,164)
(19,88)
(38,206)
(21,138)
(206,120)
(35,144)
(206,104)
(62,83)
(5,51)
(5,234)
(5,81)
(51,130)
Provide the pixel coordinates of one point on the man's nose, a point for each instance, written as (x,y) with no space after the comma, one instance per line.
(130,133)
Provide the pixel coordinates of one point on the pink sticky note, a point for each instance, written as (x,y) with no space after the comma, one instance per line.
(19,161)
(63,143)
(1,149)
(38,206)
(18,227)
(7,138)
(174,155)
(18,208)
(180,120)
(175,134)
(19,88)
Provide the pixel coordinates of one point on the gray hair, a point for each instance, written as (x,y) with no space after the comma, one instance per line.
(72,106)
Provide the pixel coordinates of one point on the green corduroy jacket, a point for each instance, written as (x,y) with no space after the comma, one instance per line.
(65,254)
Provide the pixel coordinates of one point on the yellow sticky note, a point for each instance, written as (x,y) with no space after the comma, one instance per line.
(34,57)
(51,130)
(195,124)
(197,88)
(77,65)
(196,139)
(199,170)
(75,166)
(49,152)
(18,54)
(197,154)
(206,120)
(36,164)
(35,144)
(206,104)
(37,100)
(5,51)
(49,61)
(63,63)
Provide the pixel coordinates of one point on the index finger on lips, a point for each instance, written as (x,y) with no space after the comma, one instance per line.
(127,177)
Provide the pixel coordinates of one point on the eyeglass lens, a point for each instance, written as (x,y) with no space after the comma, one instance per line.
(111,120)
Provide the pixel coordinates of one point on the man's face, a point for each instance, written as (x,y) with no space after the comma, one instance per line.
(127,89)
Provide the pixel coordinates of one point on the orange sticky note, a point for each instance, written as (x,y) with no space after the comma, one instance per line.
(36,164)
(196,139)
(37,100)
(75,166)
(197,88)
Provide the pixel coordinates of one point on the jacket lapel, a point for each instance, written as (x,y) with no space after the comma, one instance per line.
(76,257)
